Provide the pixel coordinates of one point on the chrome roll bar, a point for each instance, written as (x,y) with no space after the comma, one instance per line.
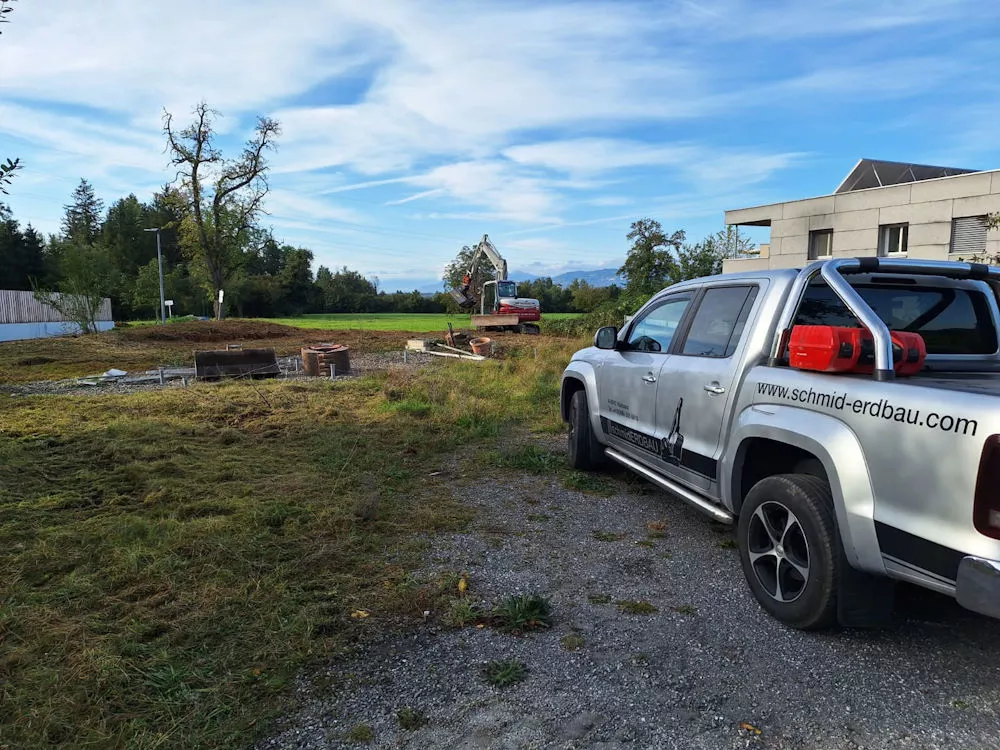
(832,272)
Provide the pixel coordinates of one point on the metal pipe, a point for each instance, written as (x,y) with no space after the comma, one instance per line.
(159,263)
(699,503)
(795,296)
(880,331)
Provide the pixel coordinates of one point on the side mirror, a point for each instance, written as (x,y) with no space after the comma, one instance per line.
(606,338)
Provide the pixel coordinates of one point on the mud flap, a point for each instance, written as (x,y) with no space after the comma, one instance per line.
(864,600)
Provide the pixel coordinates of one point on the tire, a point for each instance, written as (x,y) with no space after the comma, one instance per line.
(585,453)
(791,551)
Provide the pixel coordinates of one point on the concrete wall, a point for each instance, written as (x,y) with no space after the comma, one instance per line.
(928,207)
(20,331)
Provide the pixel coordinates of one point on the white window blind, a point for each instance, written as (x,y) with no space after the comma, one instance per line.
(968,235)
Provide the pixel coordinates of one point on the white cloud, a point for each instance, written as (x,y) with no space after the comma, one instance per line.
(509,194)
(137,57)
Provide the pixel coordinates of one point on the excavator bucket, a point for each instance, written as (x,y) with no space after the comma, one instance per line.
(462,298)
(235,363)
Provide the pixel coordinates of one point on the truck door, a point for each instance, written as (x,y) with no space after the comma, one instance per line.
(696,382)
(628,378)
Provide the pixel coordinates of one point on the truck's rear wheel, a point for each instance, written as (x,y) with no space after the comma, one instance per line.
(585,453)
(790,549)
(530,328)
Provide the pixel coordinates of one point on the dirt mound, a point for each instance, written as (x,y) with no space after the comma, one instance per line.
(212,331)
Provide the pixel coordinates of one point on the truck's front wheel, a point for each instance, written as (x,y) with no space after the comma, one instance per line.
(790,549)
(585,453)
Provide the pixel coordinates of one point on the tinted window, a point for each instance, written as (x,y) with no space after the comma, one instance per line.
(951,321)
(718,324)
(655,330)
(507,288)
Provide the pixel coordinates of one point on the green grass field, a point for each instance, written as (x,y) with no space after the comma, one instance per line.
(416,322)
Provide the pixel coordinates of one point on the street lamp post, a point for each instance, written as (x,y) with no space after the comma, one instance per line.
(159,262)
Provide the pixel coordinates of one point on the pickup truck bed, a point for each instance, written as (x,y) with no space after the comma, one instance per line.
(963,382)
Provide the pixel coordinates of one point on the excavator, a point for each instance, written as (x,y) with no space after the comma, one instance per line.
(508,312)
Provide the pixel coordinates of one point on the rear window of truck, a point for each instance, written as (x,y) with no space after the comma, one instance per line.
(951,321)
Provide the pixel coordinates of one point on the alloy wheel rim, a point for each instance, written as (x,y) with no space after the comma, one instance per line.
(779,551)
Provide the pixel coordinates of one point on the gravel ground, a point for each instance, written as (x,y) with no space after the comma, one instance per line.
(360,365)
(686,676)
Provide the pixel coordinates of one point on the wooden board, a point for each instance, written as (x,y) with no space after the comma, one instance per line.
(490,321)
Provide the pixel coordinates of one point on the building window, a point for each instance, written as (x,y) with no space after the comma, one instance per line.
(892,239)
(820,244)
(968,235)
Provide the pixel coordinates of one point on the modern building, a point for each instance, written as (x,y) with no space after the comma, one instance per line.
(882,208)
(24,317)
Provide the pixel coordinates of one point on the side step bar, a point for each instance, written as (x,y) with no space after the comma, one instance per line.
(699,503)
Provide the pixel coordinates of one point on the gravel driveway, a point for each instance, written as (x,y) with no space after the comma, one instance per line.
(708,669)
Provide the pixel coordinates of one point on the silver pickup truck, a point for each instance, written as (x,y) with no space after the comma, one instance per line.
(839,483)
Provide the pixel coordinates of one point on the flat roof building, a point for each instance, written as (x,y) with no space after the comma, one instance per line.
(882,208)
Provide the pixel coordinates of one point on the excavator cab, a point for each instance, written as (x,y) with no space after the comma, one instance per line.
(506,289)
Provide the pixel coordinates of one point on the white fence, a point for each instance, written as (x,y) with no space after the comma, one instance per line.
(24,317)
(22,307)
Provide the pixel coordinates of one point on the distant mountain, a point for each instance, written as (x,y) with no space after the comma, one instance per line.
(600,277)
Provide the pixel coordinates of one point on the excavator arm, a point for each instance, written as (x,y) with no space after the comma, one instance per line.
(486,249)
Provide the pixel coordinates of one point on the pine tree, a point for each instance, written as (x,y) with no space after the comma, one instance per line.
(22,253)
(82,223)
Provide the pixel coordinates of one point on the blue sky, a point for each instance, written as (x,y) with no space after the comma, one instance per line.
(411,128)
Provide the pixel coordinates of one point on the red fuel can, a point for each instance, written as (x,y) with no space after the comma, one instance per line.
(824,348)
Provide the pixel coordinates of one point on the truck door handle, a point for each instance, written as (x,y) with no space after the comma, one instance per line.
(714,388)
(649,378)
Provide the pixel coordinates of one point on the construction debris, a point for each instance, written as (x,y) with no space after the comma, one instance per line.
(317,359)
(474,357)
(482,346)
(228,363)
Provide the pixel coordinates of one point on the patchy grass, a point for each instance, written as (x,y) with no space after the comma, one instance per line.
(599,599)
(572,641)
(685,609)
(171,558)
(138,348)
(465,613)
(636,607)
(505,672)
(590,483)
(528,458)
(728,544)
(360,733)
(647,543)
(519,614)
(607,536)
(410,719)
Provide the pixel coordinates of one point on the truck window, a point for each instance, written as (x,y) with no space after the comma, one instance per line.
(951,321)
(718,323)
(654,331)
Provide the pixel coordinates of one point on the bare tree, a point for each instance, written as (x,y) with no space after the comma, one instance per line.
(225,195)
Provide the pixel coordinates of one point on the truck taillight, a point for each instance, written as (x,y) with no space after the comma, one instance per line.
(986,509)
